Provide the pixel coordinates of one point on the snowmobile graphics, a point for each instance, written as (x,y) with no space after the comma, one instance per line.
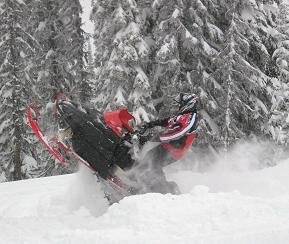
(104,142)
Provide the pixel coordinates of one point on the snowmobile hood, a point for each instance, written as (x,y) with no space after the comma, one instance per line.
(119,121)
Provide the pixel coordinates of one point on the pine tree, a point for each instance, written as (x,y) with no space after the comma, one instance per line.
(60,64)
(244,88)
(121,57)
(75,53)
(174,45)
(205,19)
(58,67)
(279,119)
(17,48)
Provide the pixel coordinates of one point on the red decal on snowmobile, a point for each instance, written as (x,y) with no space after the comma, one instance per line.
(32,118)
(69,152)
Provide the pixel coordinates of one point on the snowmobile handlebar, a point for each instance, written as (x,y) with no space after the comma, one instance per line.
(142,130)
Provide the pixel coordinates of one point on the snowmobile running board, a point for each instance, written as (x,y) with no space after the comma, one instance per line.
(56,148)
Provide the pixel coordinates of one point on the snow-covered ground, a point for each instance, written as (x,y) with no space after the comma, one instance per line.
(224,204)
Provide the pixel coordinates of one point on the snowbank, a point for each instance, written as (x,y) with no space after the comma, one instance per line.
(37,211)
(224,204)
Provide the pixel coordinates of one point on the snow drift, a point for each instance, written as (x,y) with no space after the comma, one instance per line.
(234,200)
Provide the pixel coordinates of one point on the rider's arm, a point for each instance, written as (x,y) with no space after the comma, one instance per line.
(151,124)
(158,122)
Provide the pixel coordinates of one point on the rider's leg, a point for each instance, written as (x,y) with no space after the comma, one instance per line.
(152,175)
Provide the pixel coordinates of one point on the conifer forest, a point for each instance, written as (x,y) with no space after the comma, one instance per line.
(233,54)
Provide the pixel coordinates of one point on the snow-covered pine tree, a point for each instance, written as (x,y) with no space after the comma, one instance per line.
(267,36)
(279,119)
(75,53)
(174,45)
(140,97)
(60,64)
(121,57)
(203,19)
(260,16)
(17,48)
(112,84)
(278,124)
(226,63)
(243,98)
(48,71)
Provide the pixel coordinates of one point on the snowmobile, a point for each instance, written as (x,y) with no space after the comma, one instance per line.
(107,143)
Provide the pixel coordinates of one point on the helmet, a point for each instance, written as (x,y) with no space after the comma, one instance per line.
(187,102)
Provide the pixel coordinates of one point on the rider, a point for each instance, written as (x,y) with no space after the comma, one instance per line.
(174,144)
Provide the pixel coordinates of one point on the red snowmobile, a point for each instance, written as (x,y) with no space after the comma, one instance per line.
(106,143)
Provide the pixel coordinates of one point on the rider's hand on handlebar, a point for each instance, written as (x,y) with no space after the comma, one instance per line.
(143,129)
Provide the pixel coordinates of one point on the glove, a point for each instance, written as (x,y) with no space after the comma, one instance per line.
(149,125)
(143,129)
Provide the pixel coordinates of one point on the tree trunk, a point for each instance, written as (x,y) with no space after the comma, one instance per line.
(17,173)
